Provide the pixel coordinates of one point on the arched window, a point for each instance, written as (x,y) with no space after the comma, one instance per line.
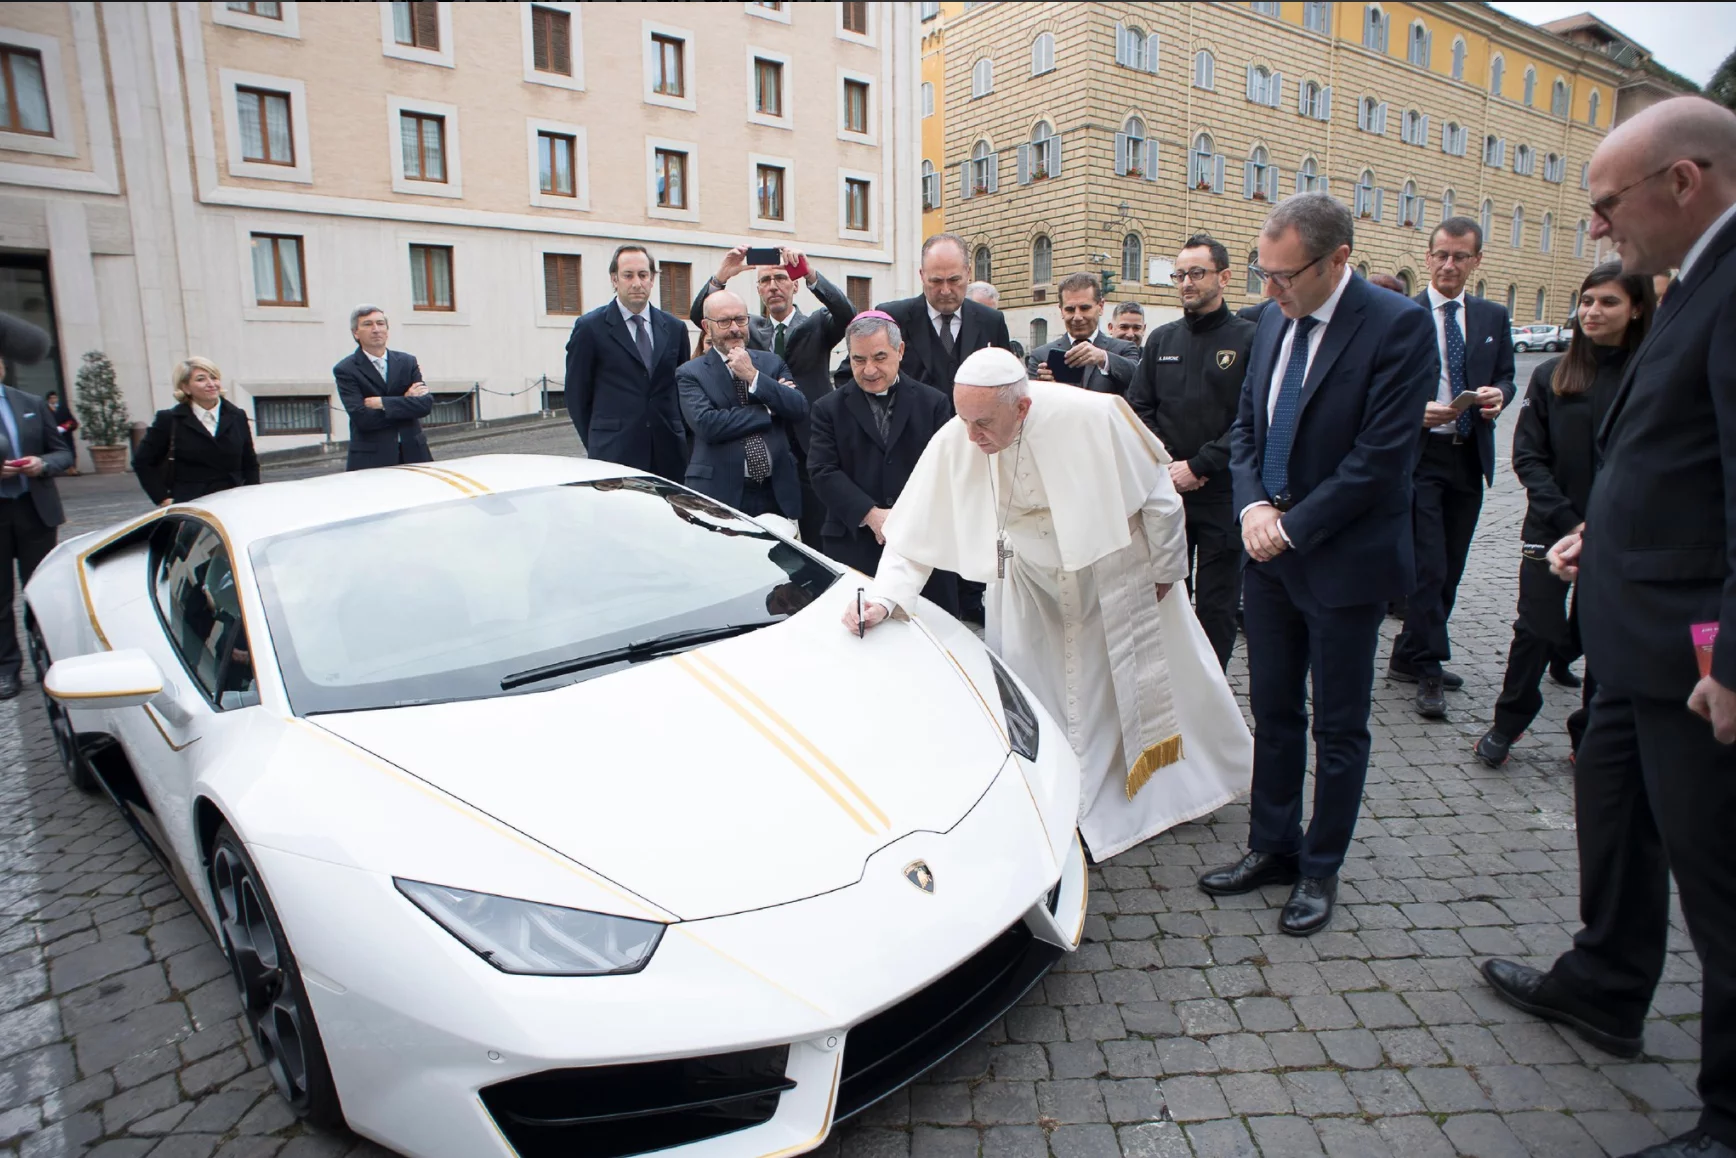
(1421,44)
(1453,138)
(930,186)
(1512,299)
(1362,268)
(1205,69)
(1405,280)
(1530,87)
(982,78)
(1410,205)
(1132,259)
(1482,287)
(1042,260)
(1263,88)
(1518,238)
(1134,155)
(1365,195)
(1415,128)
(1591,107)
(1448,200)
(1039,332)
(1259,178)
(984,171)
(1203,164)
(1308,176)
(1554,168)
(1494,149)
(1542,297)
(1486,218)
(1043,54)
(927,99)
(1043,157)
(1314,101)
(1459,59)
(1254,286)
(1579,240)
(1558,99)
(1317,17)
(1548,238)
(1497,73)
(1134,49)
(1374,25)
(982,266)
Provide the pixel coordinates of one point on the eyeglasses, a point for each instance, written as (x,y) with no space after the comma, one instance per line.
(730,323)
(1284,280)
(1194,275)
(1442,257)
(1604,206)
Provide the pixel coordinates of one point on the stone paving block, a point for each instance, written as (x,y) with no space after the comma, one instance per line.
(1226,1139)
(1014,1142)
(1324,1011)
(1133,1100)
(1349,1138)
(97,960)
(945,1104)
(1447,1089)
(1653,1085)
(1285,1137)
(1551,1135)
(138,1033)
(1131,1058)
(1414,1137)
(1318,1092)
(1153,1140)
(1620,1131)
(1073,1059)
(1182,1055)
(940,1142)
(1194,1099)
(1411,1047)
(1255,1093)
(1483,1136)
(25,1077)
(1295,1050)
(1383,1093)
(1093,1141)
(1351,1048)
(1070,1102)
(1004,1103)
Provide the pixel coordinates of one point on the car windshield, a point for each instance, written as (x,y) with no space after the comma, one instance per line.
(528,589)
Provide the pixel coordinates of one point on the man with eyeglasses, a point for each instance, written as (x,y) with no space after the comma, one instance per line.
(1321,458)
(1187,388)
(1458,456)
(1655,782)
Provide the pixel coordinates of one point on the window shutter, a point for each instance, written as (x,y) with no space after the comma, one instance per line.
(994,172)
(1152,44)
(1422,217)
(964,173)
(1326,103)
(1275,90)
(539,43)
(1272,183)
(1024,164)
(1218,173)
(1501,152)
(1255,86)
(1151,159)
(551,283)
(1302,100)
(1428,47)
(1121,44)
(1054,144)
(1423,131)
(1249,178)
(1362,111)
(1121,154)
(1326,186)
(427,25)
(1380,119)
(560,37)
(1379,203)
(1298,180)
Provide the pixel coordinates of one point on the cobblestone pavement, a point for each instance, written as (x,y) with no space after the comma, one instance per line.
(1183,1026)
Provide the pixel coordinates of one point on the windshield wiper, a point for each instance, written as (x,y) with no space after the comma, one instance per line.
(635,652)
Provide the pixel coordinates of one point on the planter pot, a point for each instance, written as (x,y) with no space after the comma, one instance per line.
(109,459)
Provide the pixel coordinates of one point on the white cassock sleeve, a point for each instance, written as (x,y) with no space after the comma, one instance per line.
(898,581)
(1165,531)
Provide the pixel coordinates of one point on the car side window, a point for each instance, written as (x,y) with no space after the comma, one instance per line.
(193,583)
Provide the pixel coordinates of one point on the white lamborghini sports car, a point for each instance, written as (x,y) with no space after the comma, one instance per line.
(545,808)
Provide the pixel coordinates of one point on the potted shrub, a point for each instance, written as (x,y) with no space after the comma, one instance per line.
(102,414)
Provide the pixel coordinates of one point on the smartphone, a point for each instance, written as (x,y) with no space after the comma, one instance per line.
(764,255)
(16,462)
(1465,400)
(1074,375)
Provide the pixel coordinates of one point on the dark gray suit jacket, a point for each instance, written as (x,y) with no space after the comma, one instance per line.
(393,433)
(39,436)
(1114,378)
(721,423)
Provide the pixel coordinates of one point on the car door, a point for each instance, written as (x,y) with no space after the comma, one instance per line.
(195,632)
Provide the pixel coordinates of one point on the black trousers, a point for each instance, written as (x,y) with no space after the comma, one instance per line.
(1214,549)
(1545,630)
(757,498)
(1449,497)
(1655,794)
(25,540)
(1290,635)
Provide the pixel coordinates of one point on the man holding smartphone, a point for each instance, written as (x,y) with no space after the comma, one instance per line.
(1085,356)
(1458,456)
(30,514)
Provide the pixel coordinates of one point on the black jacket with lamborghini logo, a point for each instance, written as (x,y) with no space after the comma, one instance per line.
(1187,389)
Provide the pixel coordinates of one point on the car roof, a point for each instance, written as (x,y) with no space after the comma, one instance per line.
(258,512)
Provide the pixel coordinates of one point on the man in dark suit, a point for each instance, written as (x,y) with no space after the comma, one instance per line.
(803,341)
(383,393)
(741,413)
(867,438)
(34,453)
(1321,458)
(1107,363)
(621,362)
(1458,455)
(941,326)
(1655,784)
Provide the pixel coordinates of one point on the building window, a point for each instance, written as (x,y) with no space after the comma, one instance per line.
(1039,333)
(561,284)
(1542,297)
(1422,45)
(1410,206)
(1453,139)
(1317,17)
(1042,260)
(1206,168)
(1371,116)
(768,87)
(1041,158)
(1265,87)
(1554,168)
(1486,219)
(1415,128)
(555,152)
(769,191)
(417,24)
(860,291)
(1494,151)
(424,140)
(982,78)
(1546,240)
(1135,153)
(263,11)
(1579,240)
(1365,194)
(1524,161)
(856,193)
(1591,108)
(668,65)
(982,265)
(1497,74)
(930,10)
(1043,54)
(982,172)
(1314,101)
(307,414)
(1482,288)
(927,99)
(1458,60)
(265,126)
(1254,287)
(1308,176)
(855,106)
(1260,176)
(551,38)
(856,18)
(1205,70)
(1265,7)
(1512,299)
(1517,239)
(1530,87)
(279,274)
(1558,99)
(431,277)
(930,186)
(675,282)
(1447,200)
(1132,259)
(1134,49)
(1374,26)
(671,167)
(1585,175)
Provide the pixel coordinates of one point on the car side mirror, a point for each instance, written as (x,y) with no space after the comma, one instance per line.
(107,679)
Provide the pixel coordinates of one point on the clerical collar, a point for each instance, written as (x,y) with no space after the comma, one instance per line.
(886,394)
(1211,321)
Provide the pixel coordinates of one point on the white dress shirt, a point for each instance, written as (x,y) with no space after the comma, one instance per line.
(208,418)
(934,321)
(1444,391)
(1693,254)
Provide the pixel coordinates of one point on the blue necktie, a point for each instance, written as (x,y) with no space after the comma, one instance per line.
(1456,363)
(1275,470)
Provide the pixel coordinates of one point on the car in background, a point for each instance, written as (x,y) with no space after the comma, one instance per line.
(1539,337)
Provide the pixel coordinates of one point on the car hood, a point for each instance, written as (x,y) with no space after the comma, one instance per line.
(753,772)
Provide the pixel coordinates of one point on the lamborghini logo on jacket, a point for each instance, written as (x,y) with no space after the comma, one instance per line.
(918,874)
(1226,359)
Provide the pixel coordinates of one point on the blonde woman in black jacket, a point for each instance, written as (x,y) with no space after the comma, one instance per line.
(202,445)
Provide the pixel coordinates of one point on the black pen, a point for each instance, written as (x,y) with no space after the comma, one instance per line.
(861,625)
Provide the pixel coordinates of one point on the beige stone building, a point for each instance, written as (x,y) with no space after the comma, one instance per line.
(230,179)
(1099,136)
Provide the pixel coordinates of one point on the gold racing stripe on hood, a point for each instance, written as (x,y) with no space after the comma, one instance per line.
(781,735)
(457,482)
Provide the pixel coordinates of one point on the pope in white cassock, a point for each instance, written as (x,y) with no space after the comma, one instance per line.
(1059,499)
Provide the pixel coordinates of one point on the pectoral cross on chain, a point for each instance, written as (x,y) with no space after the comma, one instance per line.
(1002,554)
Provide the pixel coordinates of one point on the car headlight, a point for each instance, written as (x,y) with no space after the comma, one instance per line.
(542,940)
(1021,720)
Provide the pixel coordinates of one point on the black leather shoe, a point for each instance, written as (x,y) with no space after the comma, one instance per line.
(1492,748)
(1431,698)
(1451,680)
(1537,993)
(1251,872)
(1693,1144)
(8,686)
(1562,673)
(1309,906)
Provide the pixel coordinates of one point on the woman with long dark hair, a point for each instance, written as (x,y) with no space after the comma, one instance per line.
(1554,457)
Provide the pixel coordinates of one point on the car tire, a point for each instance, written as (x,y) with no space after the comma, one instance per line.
(72,759)
(1554,347)
(268,981)
(1521,348)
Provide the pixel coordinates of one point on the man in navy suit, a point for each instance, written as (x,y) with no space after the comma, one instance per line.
(1321,459)
(621,362)
(742,414)
(383,393)
(941,326)
(1458,455)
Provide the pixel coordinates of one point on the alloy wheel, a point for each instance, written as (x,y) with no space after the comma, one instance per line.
(72,759)
(257,964)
